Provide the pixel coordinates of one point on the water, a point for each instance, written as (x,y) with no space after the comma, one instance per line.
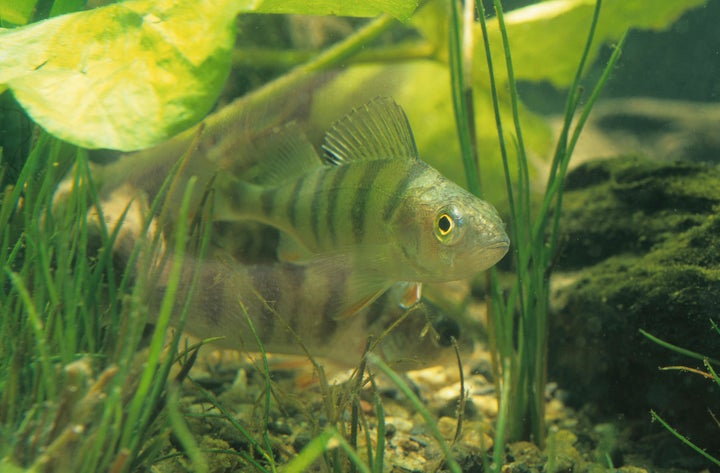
(636,257)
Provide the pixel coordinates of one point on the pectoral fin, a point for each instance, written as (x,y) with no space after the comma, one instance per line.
(353,306)
(412,294)
(349,286)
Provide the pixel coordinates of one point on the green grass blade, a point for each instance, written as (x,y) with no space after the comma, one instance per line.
(183,434)
(684,439)
(677,349)
(268,387)
(418,405)
(138,413)
(378,464)
(462,96)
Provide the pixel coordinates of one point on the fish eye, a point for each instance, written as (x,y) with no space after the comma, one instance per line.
(446,224)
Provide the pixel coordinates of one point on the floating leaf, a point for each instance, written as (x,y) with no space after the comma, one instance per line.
(129,75)
(546,38)
(124,76)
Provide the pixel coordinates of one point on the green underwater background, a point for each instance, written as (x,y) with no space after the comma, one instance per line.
(126,129)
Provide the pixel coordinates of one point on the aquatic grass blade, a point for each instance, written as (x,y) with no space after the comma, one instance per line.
(376,361)
(137,413)
(520,343)
(459,64)
(328,440)
(183,434)
(684,439)
(677,349)
(378,464)
(267,452)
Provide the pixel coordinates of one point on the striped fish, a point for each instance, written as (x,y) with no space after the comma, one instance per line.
(371,198)
(290,309)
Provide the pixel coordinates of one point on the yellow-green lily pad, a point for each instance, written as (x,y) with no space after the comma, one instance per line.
(124,76)
(129,75)
(546,38)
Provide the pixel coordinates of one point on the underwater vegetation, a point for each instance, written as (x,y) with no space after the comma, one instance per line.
(666,250)
(92,254)
(709,373)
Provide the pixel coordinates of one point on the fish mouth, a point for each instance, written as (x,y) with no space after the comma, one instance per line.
(500,242)
(505,243)
(496,249)
(495,252)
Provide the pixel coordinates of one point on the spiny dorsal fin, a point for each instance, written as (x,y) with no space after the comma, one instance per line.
(284,153)
(376,130)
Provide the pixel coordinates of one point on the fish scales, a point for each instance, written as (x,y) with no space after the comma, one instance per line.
(347,201)
(291,202)
(331,219)
(318,202)
(416,171)
(341,202)
(286,305)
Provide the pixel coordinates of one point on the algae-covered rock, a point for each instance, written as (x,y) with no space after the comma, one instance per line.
(641,247)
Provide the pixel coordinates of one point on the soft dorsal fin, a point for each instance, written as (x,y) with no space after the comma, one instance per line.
(284,153)
(376,130)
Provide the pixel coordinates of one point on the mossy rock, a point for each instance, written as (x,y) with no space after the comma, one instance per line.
(641,247)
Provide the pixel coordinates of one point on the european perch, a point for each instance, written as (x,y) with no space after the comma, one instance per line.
(373,200)
(291,311)
(290,307)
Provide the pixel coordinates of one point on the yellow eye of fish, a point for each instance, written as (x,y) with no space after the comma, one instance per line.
(445,227)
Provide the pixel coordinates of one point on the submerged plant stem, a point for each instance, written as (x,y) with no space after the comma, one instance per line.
(431,423)
(518,323)
(684,439)
(274,58)
(463,99)
(333,56)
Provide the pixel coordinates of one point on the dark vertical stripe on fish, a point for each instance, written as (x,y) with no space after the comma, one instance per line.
(266,288)
(295,291)
(292,203)
(267,201)
(332,207)
(415,171)
(237,195)
(360,200)
(212,296)
(317,200)
(336,283)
